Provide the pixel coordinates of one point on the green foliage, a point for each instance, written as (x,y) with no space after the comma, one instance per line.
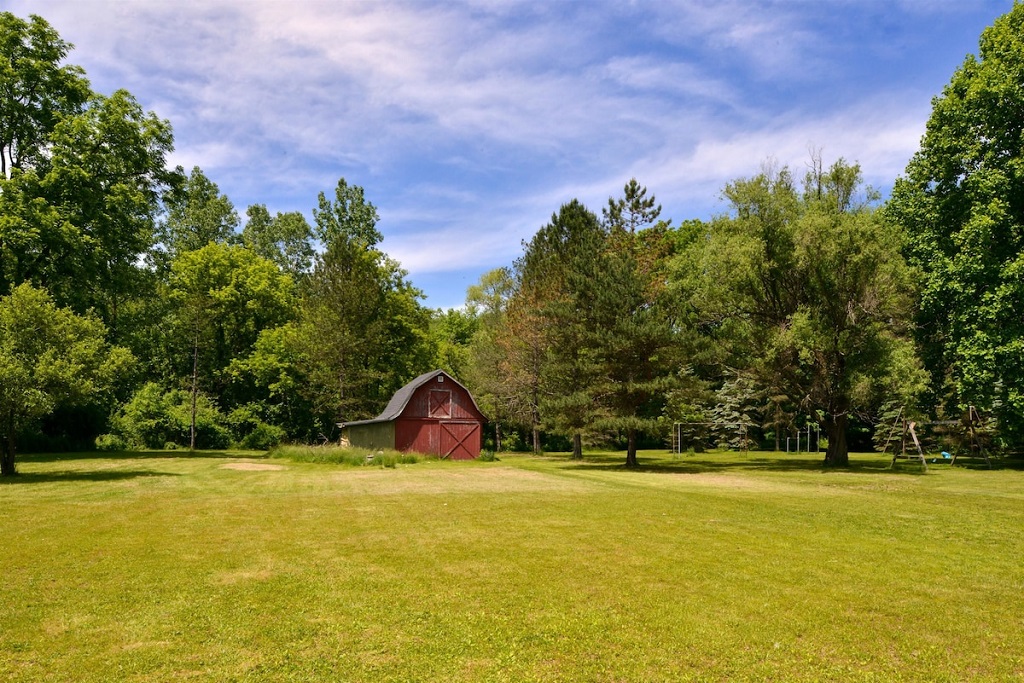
(504,356)
(488,298)
(960,202)
(348,217)
(362,332)
(633,210)
(594,300)
(224,297)
(555,290)
(81,175)
(810,293)
(111,442)
(512,441)
(285,239)
(49,357)
(154,418)
(79,222)
(272,378)
(451,333)
(736,413)
(38,91)
(262,437)
(251,432)
(197,215)
(635,333)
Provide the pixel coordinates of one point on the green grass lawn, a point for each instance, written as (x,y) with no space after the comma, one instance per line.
(170,567)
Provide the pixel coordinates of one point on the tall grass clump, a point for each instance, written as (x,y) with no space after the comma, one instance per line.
(344,455)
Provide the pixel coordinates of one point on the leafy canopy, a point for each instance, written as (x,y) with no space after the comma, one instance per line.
(961,202)
(809,291)
(49,357)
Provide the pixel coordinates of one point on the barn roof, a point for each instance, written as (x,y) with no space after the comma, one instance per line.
(402,397)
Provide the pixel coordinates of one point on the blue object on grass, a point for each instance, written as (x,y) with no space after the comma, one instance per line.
(946,455)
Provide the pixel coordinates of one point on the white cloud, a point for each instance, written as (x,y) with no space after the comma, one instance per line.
(469,123)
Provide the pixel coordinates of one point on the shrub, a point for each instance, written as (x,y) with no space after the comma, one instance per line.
(110,442)
(262,437)
(252,432)
(155,418)
(512,441)
(143,422)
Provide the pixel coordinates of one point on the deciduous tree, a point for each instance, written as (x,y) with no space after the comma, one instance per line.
(816,277)
(286,239)
(36,90)
(961,202)
(349,216)
(197,215)
(225,297)
(49,357)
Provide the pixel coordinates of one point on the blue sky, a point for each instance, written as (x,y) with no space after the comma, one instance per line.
(470,123)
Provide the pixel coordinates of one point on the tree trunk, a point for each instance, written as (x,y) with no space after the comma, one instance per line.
(778,425)
(577,446)
(535,419)
(837,454)
(195,391)
(7,468)
(341,395)
(497,437)
(631,460)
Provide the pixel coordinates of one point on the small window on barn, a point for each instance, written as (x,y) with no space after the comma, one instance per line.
(440,378)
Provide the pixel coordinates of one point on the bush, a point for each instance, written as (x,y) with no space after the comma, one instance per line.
(488,456)
(252,432)
(110,442)
(155,418)
(262,437)
(512,441)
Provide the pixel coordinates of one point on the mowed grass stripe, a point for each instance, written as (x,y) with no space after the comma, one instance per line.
(710,567)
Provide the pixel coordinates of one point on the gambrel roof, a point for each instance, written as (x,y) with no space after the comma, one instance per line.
(402,397)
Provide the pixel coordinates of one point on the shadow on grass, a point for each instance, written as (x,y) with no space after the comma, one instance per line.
(703,464)
(132,455)
(97,476)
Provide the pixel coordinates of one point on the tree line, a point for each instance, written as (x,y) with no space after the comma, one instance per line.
(138,309)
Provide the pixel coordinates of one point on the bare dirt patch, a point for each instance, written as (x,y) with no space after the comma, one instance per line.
(252,466)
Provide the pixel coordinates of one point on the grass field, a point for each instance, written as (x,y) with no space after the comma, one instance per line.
(235,567)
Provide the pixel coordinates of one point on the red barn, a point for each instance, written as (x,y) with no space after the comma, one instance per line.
(432,414)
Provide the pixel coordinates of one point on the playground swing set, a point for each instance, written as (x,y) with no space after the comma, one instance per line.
(680,434)
(680,437)
(970,423)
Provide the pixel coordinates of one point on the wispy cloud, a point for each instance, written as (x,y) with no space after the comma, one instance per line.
(470,122)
